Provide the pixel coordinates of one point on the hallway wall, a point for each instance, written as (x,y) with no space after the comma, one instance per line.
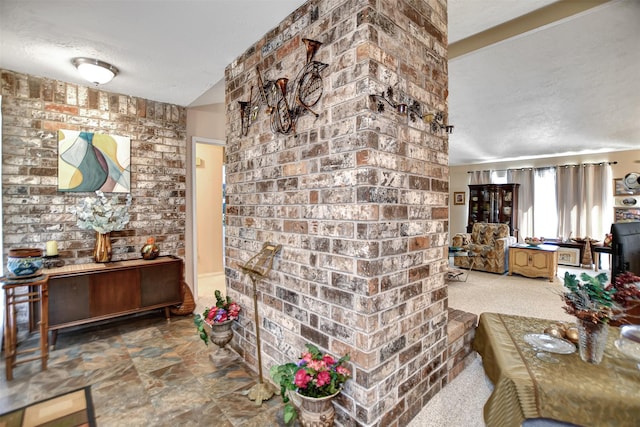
(209,208)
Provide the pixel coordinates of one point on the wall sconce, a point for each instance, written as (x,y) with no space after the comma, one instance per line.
(437,122)
(412,108)
(96,71)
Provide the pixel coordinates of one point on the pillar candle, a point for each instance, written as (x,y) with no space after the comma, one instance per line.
(52,248)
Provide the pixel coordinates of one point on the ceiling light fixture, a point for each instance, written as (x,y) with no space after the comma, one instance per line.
(96,71)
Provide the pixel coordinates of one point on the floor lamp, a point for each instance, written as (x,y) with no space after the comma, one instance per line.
(257,268)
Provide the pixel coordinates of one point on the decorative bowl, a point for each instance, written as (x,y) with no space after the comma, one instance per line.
(534,241)
(24,263)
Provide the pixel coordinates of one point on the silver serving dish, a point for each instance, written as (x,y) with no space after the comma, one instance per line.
(550,344)
(629,342)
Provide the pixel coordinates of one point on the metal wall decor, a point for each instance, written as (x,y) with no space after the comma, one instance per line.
(437,122)
(286,101)
(411,108)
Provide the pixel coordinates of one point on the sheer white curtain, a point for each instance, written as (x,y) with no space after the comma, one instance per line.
(524,177)
(584,194)
(545,212)
(479,177)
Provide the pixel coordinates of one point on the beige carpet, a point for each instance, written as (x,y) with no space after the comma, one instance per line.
(461,402)
(487,292)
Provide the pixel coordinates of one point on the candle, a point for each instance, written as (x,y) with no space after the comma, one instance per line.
(52,248)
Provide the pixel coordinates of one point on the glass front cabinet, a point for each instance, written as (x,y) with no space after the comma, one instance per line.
(494,203)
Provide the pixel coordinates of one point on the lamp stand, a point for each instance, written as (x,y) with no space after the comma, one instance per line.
(260,391)
(257,267)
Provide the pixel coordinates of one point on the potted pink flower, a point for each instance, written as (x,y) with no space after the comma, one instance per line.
(316,378)
(215,321)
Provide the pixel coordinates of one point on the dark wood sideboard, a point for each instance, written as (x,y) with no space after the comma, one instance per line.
(494,203)
(85,293)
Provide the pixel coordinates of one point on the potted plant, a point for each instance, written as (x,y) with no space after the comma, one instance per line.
(627,296)
(215,322)
(316,378)
(593,304)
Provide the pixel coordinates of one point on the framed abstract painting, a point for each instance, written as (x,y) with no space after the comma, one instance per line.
(93,161)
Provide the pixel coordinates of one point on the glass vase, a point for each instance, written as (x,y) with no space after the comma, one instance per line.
(102,249)
(592,340)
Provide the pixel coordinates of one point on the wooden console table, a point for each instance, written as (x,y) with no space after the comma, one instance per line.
(85,293)
(533,261)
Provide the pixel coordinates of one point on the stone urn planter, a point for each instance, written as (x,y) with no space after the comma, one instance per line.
(316,411)
(220,333)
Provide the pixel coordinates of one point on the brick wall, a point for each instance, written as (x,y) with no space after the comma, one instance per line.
(33,109)
(358,199)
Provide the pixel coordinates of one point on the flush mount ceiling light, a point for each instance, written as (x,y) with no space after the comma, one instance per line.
(94,70)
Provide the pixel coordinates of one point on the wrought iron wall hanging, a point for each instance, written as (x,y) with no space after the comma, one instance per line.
(286,101)
(412,108)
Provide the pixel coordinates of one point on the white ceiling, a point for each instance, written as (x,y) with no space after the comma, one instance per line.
(569,87)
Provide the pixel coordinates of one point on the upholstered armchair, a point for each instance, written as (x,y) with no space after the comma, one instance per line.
(489,243)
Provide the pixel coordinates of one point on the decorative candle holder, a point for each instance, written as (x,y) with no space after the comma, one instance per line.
(52,261)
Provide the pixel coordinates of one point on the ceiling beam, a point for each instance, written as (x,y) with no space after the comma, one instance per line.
(531,21)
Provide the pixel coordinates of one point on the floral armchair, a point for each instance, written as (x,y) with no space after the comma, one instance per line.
(489,242)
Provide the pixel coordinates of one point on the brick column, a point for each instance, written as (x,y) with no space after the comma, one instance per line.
(358,199)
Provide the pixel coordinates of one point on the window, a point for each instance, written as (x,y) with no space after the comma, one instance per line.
(545,208)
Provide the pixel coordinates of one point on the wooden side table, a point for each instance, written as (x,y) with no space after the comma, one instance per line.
(35,293)
(534,261)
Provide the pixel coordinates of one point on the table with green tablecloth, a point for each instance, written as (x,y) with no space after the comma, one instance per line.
(572,391)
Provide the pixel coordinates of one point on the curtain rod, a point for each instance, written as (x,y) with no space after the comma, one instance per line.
(546,167)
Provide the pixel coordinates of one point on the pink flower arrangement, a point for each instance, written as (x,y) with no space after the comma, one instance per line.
(225,309)
(315,375)
(221,314)
(315,372)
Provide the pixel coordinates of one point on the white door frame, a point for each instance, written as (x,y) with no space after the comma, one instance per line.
(194,214)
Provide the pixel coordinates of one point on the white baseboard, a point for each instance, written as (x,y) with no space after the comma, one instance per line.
(208,275)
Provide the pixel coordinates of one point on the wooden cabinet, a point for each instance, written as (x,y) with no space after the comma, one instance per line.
(494,203)
(539,261)
(80,294)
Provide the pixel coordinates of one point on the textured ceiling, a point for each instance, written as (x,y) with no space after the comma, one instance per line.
(166,50)
(570,86)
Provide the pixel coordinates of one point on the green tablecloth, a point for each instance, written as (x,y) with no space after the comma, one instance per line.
(573,391)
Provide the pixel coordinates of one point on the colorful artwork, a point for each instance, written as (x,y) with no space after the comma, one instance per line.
(569,256)
(91,161)
(626,214)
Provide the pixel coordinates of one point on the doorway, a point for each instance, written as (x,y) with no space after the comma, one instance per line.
(208,208)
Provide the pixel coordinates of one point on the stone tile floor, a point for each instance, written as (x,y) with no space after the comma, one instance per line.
(145,371)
